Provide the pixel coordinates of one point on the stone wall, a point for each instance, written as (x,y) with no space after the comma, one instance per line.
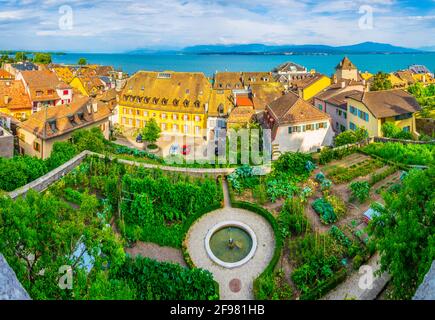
(45,181)
(10,287)
(426,126)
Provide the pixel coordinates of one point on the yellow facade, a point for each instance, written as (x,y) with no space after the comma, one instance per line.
(374,125)
(316,87)
(169,122)
(19,114)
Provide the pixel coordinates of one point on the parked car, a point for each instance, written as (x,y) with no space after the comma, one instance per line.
(185,150)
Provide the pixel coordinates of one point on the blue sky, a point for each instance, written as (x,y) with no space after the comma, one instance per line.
(122,25)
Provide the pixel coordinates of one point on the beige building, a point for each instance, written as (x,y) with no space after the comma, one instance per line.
(38,134)
(370,110)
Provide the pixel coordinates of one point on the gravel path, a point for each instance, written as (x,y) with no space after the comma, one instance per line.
(245,273)
(156,252)
(350,288)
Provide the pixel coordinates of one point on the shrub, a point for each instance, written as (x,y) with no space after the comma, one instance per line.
(350,137)
(390,130)
(294,163)
(360,190)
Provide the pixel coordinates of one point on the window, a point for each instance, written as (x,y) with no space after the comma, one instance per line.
(339,112)
(197,118)
(163,115)
(53,126)
(163,126)
(337,125)
(322,125)
(197,129)
(175,116)
(309,127)
(352,110)
(175,128)
(360,114)
(320,106)
(164,75)
(137,123)
(403,116)
(124,120)
(36,146)
(186,128)
(138,112)
(65,92)
(38,93)
(130,122)
(81,116)
(145,113)
(407,129)
(342,128)
(345,115)
(185,117)
(366,117)
(290,130)
(72,120)
(352,126)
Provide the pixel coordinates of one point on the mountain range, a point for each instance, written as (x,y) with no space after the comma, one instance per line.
(263,49)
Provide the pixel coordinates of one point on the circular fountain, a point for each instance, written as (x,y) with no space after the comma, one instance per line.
(230,244)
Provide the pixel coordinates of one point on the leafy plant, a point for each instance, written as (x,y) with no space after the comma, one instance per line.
(360,190)
(325,210)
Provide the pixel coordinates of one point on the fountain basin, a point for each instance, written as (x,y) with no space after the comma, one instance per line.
(231,254)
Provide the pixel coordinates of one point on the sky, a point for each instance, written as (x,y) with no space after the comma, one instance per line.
(124,25)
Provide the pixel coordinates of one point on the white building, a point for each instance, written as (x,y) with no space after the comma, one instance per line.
(297,125)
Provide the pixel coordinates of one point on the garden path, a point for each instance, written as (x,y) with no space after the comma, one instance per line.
(156,252)
(350,288)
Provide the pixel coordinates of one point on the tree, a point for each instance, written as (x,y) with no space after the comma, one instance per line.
(61,153)
(19,171)
(92,140)
(381,81)
(43,58)
(390,130)
(350,137)
(40,233)
(82,62)
(20,57)
(151,131)
(404,231)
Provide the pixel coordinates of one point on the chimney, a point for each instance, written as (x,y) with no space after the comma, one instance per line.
(88,107)
(95,106)
(343,84)
(6,97)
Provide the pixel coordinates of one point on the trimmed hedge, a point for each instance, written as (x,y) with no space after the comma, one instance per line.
(321,290)
(278,239)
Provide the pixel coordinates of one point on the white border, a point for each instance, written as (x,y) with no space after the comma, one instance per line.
(222,225)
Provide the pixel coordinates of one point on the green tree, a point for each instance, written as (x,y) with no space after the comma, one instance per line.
(404,232)
(92,140)
(151,132)
(39,233)
(381,81)
(43,58)
(390,130)
(61,153)
(19,171)
(82,62)
(20,57)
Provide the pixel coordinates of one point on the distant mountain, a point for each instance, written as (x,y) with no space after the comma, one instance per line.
(366,47)
(430,48)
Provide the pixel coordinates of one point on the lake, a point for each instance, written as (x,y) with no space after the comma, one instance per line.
(212,63)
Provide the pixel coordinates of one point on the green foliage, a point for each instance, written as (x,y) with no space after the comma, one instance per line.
(339,235)
(380,82)
(61,153)
(350,137)
(338,205)
(40,232)
(73,196)
(20,57)
(317,258)
(153,280)
(151,131)
(415,154)
(292,218)
(325,210)
(82,62)
(20,170)
(360,190)
(425,96)
(375,178)
(92,140)
(404,231)
(345,174)
(280,188)
(293,163)
(329,154)
(390,130)
(243,178)
(274,287)
(43,58)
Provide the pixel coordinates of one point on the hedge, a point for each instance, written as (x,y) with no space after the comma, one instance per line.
(278,239)
(329,284)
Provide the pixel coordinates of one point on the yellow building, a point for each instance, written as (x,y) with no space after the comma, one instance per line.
(370,110)
(88,86)
(396,82)
(366,75)
(310,86)
(178,101)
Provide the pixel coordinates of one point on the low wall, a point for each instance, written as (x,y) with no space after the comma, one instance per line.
(6,145)
(45,181)
(384,140)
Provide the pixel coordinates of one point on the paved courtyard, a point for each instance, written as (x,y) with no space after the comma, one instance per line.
(237,283)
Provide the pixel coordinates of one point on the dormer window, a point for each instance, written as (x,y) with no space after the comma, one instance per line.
(139,99)
(156,100)
(72,120)
(186,103)
(81,116)
(147,99)
(143,88)
(39,93)
(53,125)
(197,104)
(131,99)
(187,91)
(220,85)
(175,102)
(164,101)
